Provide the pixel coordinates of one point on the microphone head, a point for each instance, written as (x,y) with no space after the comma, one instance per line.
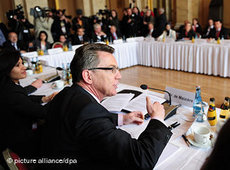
(144,86)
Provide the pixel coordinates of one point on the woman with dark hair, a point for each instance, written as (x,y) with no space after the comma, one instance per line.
(41,42)
(219,158)
(113,20)
(19,112)
(196,27)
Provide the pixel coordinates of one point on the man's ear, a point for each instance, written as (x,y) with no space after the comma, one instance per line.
(87,76)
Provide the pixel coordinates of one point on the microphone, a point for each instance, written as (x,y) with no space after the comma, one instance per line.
(145,87)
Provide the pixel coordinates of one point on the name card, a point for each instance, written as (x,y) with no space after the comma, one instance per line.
(130,39)
(119,41)
(180,96)
(55,51)
(30,54)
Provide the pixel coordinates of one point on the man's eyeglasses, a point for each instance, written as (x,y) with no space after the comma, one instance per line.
(113,69)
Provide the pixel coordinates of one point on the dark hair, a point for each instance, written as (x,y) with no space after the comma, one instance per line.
(86,57)
(39,38)
(115,12)
(218,20)
(8,59)
(219,157)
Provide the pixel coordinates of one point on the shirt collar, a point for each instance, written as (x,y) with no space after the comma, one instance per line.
(93,96)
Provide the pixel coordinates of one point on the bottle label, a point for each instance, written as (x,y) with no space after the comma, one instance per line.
(212,118)
(222,116)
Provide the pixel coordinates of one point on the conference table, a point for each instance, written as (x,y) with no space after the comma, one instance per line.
(177,155)
(200,57)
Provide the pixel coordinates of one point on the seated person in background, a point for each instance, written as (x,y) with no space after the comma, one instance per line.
(79,127)
(168,33)
(182,27)
(98,35)
(114,34)
(80,37)
(151,31)
(187,33)
(62,41)
(41,43)
(209,28)
(18,128)
(219,31)
(14,44)
(219,158)
(196,27)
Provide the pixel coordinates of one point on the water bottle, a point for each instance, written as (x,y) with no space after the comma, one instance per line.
(63,72)
(70,46)
(197,103)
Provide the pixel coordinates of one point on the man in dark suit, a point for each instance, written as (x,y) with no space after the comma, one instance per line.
(13,43)
(151,31)
(187,33)
(113,33)
(79,127)
(98,35)
(161,21)
(219,31)
(80,37)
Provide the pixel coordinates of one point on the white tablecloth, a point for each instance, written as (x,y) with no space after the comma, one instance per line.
(198,57)
(207,58)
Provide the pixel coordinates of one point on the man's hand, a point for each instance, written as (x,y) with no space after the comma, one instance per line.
(155,110)
(37,83)
(133,117)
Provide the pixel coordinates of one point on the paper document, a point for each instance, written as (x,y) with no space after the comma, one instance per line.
(117,102)
(139,103)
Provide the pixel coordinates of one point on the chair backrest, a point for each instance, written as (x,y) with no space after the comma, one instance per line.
(57,45)
(11,160)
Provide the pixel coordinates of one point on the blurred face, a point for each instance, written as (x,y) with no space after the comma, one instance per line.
(168,27)
(13,37)
(80,32)
(188,27)
(113,13)
(150,26)
(43,36)
(135,10)
(194,21)
(106,81)
(62,38)
(112,29)
(148,13)
(218,25)
(210,22)
(18,72)
(98,29)
(129,11)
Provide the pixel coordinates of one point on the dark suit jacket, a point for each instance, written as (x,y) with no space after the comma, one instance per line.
(76,40)
(190,34)
(95,38)
(19,112)
(20,45)
(160,24)
(112,38)
(78,127)
(223,34)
